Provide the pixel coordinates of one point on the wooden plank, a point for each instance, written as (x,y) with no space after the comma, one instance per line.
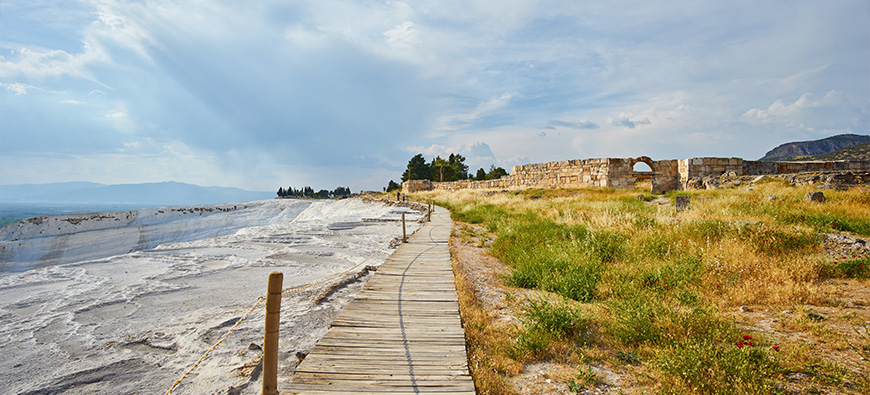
(402,334)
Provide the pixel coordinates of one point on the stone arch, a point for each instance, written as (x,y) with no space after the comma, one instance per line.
(643,174)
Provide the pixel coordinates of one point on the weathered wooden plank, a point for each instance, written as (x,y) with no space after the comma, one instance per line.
(402,334)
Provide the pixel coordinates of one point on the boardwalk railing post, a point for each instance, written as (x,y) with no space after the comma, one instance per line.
(430,211)
(404,235)
(270,340)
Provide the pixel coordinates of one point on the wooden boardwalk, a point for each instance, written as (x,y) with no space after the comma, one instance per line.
(402,334)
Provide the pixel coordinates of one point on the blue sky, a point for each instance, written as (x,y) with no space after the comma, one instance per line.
(325,93)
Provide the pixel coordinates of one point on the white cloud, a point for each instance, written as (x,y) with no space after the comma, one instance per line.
(831,112)
(18,88)
(403,36)
(75,102)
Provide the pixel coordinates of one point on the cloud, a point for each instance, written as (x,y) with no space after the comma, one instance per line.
(581,124)
(626,121)
(482,109)
(75,102)
(403,36)
(18,88)
(829,112)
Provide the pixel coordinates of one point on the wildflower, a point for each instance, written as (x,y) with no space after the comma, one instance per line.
(747,337)
(739,344)
(776,348)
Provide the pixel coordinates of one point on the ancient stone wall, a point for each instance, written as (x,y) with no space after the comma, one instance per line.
(763,167)
(666,175)
(412,186)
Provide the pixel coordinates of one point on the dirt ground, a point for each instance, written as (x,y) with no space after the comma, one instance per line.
(829,339)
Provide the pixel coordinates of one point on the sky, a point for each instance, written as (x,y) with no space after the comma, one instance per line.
(329,93)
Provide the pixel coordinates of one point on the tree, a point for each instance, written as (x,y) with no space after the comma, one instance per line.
(341,191)
(495,173)
(440,164)
(481,174)
(322,194)
(458,168)
(281,192)
(417,169)
(392,186)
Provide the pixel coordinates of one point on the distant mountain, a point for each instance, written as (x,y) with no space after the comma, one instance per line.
(855,152)
(148,194)
(790,151)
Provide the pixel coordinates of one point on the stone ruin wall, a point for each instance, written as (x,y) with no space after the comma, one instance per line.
(667,175)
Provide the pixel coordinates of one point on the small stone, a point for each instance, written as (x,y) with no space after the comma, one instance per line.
(254,346)
(815,197)
(745,309)
(787,312)
(682,203)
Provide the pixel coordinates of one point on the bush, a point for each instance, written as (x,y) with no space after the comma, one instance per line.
(847,267)
(546,323)
(704,367)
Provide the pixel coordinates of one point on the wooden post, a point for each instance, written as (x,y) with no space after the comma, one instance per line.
(430,211)
(404,235)
(270,341)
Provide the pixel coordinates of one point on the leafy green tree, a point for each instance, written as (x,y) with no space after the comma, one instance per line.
(392,186)
(481,174)
(495,173)
(322,194)
(417,169)
(341,191)
(281,192)
(458,168)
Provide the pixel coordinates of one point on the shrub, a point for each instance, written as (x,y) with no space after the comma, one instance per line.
(705,367)
(547,322)
(847,267)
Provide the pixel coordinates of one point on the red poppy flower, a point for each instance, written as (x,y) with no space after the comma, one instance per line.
(747,337)
(775,348)
(739,344)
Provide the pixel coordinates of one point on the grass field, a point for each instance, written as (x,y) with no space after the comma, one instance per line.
(737,294)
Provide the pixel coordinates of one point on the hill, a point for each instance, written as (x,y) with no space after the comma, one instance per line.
(147,194)
(855,152)
(790,151)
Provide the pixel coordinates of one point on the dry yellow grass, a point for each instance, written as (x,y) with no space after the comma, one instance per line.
(743,247)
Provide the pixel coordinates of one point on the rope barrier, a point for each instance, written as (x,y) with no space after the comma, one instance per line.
(261,299)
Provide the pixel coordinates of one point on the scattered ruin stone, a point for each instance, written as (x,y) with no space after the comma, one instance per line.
(640,197)
(745,309)
(682,203)
(815,197)
(842,245)
(728,175)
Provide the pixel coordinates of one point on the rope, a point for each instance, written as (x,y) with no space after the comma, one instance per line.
(261,299)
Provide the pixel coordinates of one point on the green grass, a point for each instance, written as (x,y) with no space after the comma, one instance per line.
(545,323)
(706,367)
(656,284)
